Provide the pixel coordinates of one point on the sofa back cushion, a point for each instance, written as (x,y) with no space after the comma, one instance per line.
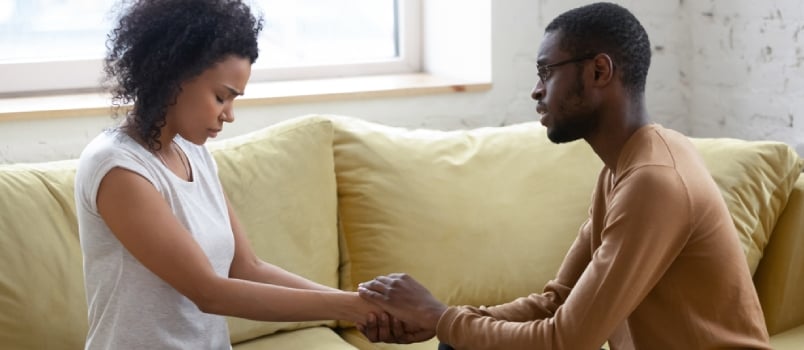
(756,179)
(478,216)
(281,183)
(779,277)
(42,299)
(483,216)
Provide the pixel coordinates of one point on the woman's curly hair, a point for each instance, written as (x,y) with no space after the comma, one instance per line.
(159,44)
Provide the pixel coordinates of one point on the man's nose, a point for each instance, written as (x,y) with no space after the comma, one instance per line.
(538,91)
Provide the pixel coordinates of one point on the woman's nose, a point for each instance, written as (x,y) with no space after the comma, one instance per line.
(227,115)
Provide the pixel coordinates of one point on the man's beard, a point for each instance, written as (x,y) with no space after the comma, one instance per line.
(574,122)
(573,128)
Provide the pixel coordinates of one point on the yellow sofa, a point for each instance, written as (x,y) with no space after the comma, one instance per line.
(479,216)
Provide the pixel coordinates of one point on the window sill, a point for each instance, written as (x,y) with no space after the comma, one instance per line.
(266,93)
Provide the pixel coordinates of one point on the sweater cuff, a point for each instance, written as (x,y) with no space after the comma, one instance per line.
(443,329)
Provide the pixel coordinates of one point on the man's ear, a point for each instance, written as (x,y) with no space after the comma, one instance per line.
(604,69)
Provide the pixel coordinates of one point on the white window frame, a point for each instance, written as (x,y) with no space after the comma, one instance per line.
(84,75)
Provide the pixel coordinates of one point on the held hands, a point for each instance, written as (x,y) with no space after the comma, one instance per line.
(387,329)
(414,309)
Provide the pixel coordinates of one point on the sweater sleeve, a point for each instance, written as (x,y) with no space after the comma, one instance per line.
(538,306)
(640,238)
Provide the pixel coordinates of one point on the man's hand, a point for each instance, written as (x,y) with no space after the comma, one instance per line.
(414,309)
(387,329)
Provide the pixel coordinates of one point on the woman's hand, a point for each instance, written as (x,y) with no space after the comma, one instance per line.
(387,329)
(406,300)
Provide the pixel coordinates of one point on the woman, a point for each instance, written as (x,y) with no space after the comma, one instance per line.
(164,255)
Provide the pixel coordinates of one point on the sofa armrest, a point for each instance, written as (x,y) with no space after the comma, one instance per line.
(779,277)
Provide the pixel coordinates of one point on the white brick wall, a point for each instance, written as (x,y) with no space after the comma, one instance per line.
(747,69)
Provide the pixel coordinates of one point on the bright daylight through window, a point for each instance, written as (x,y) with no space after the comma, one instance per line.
(48,45)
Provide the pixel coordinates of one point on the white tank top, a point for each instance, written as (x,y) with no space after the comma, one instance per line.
(129,306)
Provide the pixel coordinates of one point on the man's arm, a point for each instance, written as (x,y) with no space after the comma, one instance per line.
(405,293)
(532,307)
(538,306)
(638,244)
(640,239)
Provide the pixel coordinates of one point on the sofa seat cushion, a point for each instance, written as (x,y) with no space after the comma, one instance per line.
(354,337)
(478,216)
(792,339)
(315,338)
(755,178)
(281,183)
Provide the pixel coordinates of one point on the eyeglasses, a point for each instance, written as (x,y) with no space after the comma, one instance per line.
(545,70)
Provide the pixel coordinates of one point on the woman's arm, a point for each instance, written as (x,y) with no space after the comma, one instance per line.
(247,265)
(144,223)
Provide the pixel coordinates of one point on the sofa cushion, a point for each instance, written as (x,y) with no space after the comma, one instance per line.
(315,338)
(779,278)
(792,339)
(41,281)
(478,216)
(281,183)
(354,337)
(466,189)
(755,178)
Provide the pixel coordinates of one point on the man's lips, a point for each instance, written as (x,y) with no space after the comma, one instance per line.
(541,109)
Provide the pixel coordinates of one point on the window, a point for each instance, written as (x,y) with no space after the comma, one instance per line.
(51,45)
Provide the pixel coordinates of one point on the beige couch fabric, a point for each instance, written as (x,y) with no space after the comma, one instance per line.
(281,183)
(755,178)
(42,299)
(480,216)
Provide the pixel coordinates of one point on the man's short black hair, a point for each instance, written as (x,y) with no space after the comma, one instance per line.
(611,29)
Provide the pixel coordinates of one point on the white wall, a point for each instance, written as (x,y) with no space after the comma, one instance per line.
(712,75)
(747,71)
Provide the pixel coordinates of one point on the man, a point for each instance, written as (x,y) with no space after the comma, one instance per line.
(664,272)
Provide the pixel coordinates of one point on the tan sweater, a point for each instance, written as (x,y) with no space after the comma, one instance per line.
(656,266)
